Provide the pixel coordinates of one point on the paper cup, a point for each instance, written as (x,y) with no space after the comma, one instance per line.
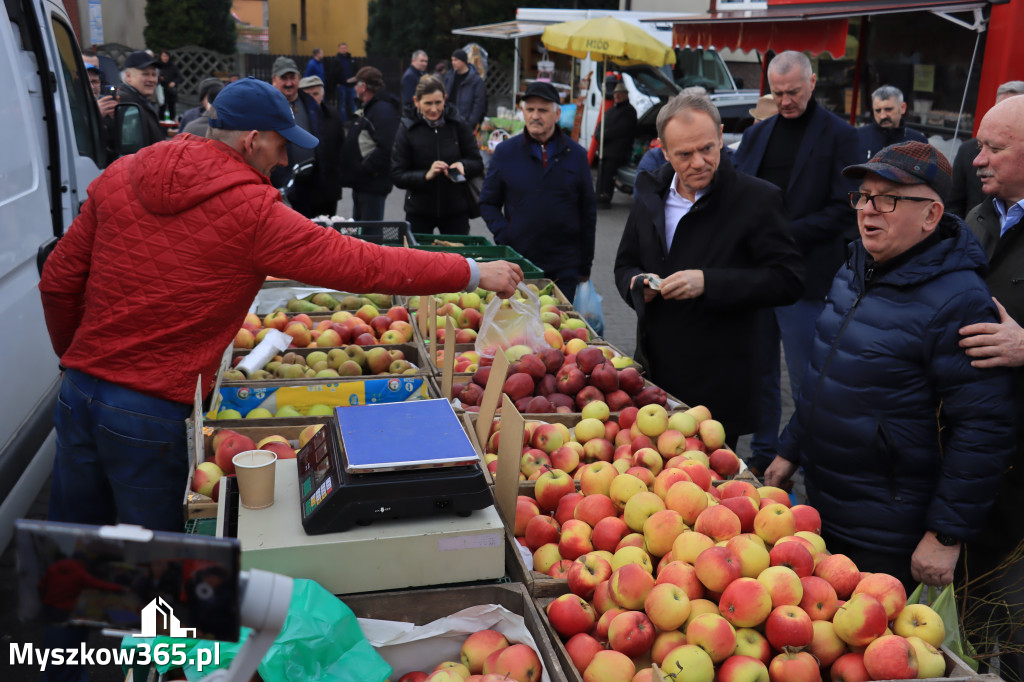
(254,471)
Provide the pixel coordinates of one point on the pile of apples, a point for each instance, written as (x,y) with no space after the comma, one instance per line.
(350,361)
(551,381)
(470,361)
(227,443)
(283,412)
(728,583)
(365,327)
(486,656)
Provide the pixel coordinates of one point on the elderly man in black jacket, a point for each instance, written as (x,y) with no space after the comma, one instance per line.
(705,255)
(140,80)
(316,190)
(619,132)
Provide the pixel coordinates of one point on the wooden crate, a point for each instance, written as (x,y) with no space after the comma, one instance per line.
(424,606)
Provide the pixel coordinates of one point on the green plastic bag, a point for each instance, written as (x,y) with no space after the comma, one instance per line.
(320,642)
(943,602)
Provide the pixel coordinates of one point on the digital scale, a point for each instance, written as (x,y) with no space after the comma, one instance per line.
(408,507)
(393,461)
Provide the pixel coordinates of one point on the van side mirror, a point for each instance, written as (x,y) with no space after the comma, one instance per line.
(127,129)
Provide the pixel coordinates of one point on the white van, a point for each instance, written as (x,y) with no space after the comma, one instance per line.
(50,150)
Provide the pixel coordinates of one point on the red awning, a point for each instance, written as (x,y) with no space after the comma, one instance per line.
(816,36)
(818,26)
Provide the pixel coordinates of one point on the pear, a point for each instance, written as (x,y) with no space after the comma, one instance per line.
(351,302)
(380,300)
(297,305)
(326,300)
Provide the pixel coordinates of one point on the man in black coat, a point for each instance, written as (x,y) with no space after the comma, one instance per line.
(316,190)
(465,89)
(997,224)
(719,242)
(140,81)
(366,156)
(411,77)
(619,133)
(966,192)
(888,108)
(802,151)
(341,71)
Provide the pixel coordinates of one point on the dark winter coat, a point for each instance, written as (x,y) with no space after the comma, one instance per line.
(817,197)
(417,146)
(619,131)
(470,100)
(410,79)
(366,157)
(874,137)
(1006,265)
(169,73)
(341,70)
(152,131)
(324,183)
(885,359)
(548,214)
(738,234)
(966,192)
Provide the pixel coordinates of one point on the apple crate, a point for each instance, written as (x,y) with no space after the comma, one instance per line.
(956,669)
(425,606)
(413,352)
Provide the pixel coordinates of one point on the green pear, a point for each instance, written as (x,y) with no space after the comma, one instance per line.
(259,413)
(287,411)
(326,300)
(320,410)
(351,302)
(380,300)
(297,305)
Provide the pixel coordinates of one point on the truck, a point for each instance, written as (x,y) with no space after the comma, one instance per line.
(52,149)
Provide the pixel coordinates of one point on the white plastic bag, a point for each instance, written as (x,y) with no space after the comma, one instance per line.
(510,322)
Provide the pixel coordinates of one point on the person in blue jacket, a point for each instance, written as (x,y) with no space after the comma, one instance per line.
(315,66)
(538,194)
(888,108)
(903,442)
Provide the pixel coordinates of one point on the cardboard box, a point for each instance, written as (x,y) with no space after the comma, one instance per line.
(424,606)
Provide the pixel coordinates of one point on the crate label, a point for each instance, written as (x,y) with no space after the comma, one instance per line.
(341,394)
(469,542)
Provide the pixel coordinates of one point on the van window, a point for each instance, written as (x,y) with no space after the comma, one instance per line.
(701,67)
(84,114)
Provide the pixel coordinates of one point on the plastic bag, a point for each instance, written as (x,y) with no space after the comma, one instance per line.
(510,322)
(588,304)
(321,641)
(943,602)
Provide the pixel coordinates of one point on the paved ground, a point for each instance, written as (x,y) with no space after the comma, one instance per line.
(620,330)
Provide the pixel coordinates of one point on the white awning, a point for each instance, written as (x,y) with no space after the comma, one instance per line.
(506,30)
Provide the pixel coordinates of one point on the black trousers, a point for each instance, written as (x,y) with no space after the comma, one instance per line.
(606,178)
(457,223)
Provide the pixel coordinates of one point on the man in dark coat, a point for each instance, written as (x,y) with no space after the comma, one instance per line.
(317,190)
(341,71)
(411,77)
(538,196)
(996,222)
(802,151)
(366,157)
(465,89)
(902,441)
(140,81)
(619,134)
(719,241)
(209,88)
(966,192)
(888,108)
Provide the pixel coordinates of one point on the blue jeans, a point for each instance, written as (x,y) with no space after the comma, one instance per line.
(346,101)
(121,456)
(794,325)
(367,205)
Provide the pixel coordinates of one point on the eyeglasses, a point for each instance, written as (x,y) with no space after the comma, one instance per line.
(883,203)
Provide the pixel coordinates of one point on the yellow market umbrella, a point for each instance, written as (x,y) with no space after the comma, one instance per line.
(608,38)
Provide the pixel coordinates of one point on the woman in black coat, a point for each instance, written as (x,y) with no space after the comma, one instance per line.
(170,79)
(432,148)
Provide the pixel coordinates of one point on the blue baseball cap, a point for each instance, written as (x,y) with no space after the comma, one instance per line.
(252,104)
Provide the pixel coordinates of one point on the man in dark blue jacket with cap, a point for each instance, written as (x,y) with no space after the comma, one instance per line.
(538,196)
(902,441)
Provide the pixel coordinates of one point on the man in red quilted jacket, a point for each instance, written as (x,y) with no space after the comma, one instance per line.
(153,279)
